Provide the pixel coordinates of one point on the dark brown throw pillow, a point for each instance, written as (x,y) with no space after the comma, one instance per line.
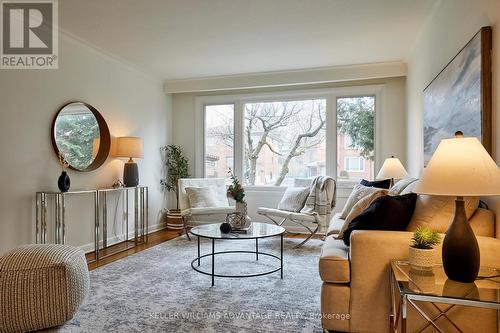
(386,183)
(385,213)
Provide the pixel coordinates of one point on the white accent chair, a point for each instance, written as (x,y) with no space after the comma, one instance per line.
(218,185)
(313,222)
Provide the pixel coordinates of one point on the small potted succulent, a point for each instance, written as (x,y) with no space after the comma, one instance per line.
(421,252)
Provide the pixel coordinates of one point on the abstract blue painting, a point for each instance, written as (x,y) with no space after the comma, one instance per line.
(453,100)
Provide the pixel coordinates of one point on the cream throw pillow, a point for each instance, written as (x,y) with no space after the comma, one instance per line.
(397,188)
(436,212)
(201,197)
(358,192)
(359,208)
(294,199)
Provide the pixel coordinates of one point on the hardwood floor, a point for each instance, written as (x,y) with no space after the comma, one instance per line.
(154,239)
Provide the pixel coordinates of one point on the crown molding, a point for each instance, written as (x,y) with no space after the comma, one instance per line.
(287,78)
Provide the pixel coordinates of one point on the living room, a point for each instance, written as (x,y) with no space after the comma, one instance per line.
(256,121)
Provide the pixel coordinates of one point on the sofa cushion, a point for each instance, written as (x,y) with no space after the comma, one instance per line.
(334,261)
(436,212)
(335,307)
(335,226)
(483,222)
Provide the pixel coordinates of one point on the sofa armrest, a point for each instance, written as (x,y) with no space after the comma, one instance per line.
(370,254)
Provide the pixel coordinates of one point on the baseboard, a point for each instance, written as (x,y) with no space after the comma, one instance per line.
(89,247)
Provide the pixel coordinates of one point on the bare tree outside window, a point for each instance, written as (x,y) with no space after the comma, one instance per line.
(284,140)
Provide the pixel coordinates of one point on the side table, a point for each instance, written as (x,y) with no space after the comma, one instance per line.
(432,287)
(57,200)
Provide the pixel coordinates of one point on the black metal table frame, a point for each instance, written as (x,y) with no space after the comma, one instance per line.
(256,252)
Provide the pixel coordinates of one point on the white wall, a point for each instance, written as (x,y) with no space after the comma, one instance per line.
(451,25)
(392,137)
(130,102)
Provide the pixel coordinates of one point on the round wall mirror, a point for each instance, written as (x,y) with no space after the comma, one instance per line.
(81,134)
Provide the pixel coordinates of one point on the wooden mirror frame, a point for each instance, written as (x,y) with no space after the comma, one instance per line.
(104,143)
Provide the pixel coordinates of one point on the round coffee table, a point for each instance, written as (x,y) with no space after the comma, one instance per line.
(256,231)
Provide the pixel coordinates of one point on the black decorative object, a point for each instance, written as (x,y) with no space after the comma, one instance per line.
(225,228)
(460,248)
(130,174)
(63,182)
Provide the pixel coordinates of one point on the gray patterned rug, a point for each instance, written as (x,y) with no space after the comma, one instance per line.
(157,291)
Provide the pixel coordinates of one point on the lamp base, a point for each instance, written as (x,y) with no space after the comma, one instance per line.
(461,256)
(130,174)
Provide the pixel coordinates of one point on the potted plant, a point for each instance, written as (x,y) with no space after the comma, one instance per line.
(176,165)
(421,253)
(237,192)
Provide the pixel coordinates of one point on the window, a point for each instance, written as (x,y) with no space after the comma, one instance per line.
(348,142)
(284,141)
(287,139)
(354,164)
(219,140)
(355,137)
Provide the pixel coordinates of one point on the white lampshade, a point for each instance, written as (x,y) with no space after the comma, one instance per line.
(129,146)
(460,167)
(392,168)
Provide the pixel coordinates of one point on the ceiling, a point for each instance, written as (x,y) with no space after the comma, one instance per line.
(175,39)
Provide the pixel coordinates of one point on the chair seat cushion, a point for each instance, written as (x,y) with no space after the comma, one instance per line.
(334,265)
(207,211)
(287,214)
(336,224)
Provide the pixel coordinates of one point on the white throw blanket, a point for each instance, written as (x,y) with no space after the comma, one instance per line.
(321,200)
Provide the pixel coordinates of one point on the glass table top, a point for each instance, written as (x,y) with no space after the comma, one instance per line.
(257,230)
(434,282)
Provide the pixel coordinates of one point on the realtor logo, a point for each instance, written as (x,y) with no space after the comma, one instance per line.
(29,35)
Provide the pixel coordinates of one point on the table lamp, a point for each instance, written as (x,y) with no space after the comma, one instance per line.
(460,167)
(129,147)
(392,168)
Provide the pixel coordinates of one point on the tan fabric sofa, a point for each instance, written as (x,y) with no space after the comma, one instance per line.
(355,294)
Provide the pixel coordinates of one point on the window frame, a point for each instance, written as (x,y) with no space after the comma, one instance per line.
(239,100)
(360,158)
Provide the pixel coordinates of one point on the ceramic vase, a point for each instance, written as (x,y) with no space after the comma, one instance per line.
(63,182)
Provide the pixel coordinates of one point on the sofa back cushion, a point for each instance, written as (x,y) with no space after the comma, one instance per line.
(436,212)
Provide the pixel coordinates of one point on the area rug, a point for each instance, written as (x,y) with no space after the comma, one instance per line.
(157,291)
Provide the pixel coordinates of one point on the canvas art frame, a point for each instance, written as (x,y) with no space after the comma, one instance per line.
(459,97)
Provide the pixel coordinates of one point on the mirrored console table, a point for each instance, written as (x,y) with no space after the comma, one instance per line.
(99,197)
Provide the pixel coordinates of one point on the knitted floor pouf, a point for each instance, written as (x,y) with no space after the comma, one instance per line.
(41,286)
